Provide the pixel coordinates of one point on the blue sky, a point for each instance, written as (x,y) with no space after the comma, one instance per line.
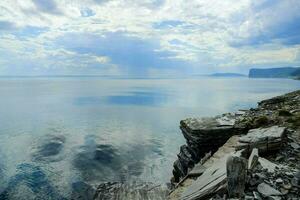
(147,38)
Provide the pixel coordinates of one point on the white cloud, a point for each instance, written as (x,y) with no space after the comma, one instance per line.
(211,33)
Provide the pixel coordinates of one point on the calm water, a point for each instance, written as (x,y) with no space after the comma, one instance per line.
(57,132)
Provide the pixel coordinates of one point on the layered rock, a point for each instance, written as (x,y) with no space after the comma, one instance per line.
(272,147)
(203,135)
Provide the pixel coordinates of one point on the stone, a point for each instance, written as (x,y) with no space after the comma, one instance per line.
(264,139)
(266,164)
(262,134)
(198,170)
(254,182)
(236,176)
(295,145)
(261,176)
(284,191)
(286,185)
(279,180)
(253,159)
(296,179)
(247,197)
(203,135)
(274,198)
(211,181)
(266,190)
(278,158)
(256,195)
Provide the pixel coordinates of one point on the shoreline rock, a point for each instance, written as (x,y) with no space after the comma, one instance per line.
(273,131)
(272,148)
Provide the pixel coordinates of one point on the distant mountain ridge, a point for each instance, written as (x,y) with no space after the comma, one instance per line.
(282,72)
(227,75)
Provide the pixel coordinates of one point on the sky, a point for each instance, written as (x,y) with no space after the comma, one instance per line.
(147,37)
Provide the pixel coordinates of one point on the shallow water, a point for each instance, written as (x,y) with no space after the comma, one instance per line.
(58,132)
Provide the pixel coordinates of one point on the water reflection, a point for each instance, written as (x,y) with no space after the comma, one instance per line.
(50,148)
(97,161)
(30,182)
(138,98)
(104,162)
(60,135)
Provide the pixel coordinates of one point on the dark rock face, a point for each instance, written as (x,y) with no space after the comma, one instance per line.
(120,191)
(203,135)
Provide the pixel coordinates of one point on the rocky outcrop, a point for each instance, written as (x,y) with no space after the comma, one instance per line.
(203,135)
(215,179)
(271,146)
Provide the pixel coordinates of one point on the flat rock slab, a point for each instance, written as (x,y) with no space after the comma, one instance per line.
(266,164)
(264,139)
(267,191)
(194,125)
(208,182)
(212,180)
(263,134)
(198,170)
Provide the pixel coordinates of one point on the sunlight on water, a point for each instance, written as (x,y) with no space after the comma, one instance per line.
(59,132)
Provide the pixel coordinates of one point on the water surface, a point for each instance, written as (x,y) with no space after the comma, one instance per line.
(58,132)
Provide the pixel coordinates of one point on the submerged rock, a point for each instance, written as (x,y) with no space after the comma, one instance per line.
(122,191)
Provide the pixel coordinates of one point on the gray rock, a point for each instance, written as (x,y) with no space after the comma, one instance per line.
(203,135)
(266,190)
(264,139)
(286,185)
(274,198)
(268,165)
(279,180)
(236,176)
(295,145)
(256,195)
(253,159)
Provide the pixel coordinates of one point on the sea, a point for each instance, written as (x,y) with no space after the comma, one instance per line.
(60,133)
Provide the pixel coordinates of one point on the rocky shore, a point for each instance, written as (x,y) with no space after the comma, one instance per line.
(249,154)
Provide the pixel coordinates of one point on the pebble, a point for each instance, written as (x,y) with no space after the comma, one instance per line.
(279,180)
(257,196)
(278,158)
(287,186)
(289,174)
(295,145)
(267,191)
(284,191)
(247,197)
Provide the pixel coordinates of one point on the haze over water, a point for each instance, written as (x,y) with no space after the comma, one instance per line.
(56,132)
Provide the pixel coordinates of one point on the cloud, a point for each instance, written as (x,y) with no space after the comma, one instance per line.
(270,22)
(135,55)
(167,24)
(7,26)
(147,37)
(47,6)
